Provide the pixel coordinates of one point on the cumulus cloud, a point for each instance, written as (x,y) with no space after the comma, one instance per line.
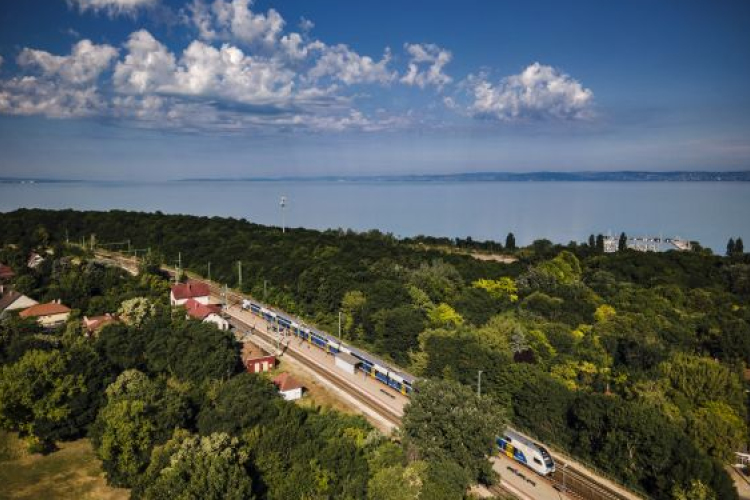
(112,7)
(147,67)
(342,63)
(84,65)
(58,86)
(426,65)
(539,92)
(234,19)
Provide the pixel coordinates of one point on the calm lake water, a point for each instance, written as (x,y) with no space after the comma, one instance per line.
(560,211)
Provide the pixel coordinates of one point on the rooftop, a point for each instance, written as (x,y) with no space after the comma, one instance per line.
(200,311)
(286,382)
(47,309)
(190,289)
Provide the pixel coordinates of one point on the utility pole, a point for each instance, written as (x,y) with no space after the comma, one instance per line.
(265,289)
(239,272)
(283,206)
(479,385)
(339,329)
(179,268)
(209,270)
(67,238)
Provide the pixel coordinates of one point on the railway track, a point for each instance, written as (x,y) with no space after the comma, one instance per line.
(383,411)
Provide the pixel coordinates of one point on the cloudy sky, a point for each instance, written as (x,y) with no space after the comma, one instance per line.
(160,89)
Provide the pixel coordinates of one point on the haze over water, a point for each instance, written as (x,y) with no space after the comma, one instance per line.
(709,212)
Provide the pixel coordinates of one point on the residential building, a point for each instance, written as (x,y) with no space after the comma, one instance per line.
(195,290)
(11,300)
(93,324)
(206,313)
(6,273)
(48,315)
(256,360)
(34,260)
(289,388)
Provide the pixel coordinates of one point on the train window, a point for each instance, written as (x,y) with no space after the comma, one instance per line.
(508,439)
(537,461)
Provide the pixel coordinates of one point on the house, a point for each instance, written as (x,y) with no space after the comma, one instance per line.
(93,324)
(34,260)
(11,300)
(256,360)
(206,313)
(289,388)
(191,290)
(48,315)
(6,273)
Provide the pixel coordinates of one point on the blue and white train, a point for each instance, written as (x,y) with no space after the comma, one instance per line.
(527,452)
(369,364)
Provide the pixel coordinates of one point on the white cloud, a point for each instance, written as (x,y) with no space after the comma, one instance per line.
(539,92)
(60,86)
(148,66)
(426,65)
(112,7)
(29,95)
(84,65)
(339,62)
(233,19)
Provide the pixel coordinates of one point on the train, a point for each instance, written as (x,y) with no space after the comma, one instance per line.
(523,450)
(369,364)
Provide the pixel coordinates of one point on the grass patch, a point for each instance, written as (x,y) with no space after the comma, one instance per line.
(72,472)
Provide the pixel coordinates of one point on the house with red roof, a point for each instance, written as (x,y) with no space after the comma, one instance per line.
(6,273)
(195,290)
(289,388)
(206,313)
(256,360)
(49,315)
(93,324)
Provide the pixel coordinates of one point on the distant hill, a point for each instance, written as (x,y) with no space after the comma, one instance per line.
(621,176)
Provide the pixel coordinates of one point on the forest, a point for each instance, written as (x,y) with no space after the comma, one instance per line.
(632,362)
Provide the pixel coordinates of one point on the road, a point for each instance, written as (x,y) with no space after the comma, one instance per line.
(384,407)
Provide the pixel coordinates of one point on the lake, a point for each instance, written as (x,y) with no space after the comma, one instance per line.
(709,212)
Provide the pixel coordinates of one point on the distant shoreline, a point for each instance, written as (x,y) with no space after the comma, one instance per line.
(619,176)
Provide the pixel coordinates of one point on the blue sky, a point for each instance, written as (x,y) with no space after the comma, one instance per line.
(159,89)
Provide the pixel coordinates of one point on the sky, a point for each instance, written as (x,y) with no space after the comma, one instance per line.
(162,89)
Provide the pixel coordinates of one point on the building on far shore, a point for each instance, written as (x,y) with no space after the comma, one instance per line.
(195,290)
(49,315)
(206,313)
(289,388)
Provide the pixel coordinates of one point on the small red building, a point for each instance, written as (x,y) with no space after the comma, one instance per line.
(256,360)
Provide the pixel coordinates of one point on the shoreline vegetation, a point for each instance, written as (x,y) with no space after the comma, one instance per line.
(588,176)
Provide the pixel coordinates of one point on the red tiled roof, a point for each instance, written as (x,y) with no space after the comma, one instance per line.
(286,382)
(44,310)
(190,289)
(96,322)
(6,272)
(199,311)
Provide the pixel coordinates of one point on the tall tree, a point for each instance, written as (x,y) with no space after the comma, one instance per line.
(739,246)
(600,243)
(592,241)
(622,244)
(447,421)
(510,242)
(730,247)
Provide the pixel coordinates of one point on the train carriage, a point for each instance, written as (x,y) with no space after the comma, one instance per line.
(527,452)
